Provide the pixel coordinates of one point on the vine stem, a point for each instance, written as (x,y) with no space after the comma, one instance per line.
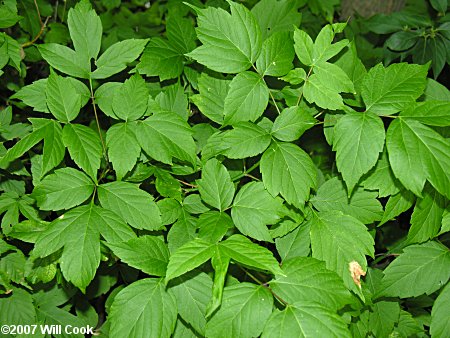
(186,183)
(38,12)
(105,154)
(43,25)
(281,300)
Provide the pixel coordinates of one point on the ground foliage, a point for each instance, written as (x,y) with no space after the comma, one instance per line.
(224,169)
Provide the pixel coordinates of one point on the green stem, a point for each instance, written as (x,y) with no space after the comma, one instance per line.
(246,172)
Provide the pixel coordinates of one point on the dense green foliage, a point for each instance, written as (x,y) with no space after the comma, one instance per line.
(225,169)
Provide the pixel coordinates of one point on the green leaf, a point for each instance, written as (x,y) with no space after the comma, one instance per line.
(279,16)
(433,113)
(426,218)
(439,5)
(244,251)
(63,100)
(63,189)
(173,98)
(188,257)
(134,205)
(84,147)
(445,221)
(247,98)
(130,101)
(334,76)
(405,139)
(17,309)
(54,150)
(382,178)
(32,96)
(340,240)
(362,205)
(123,147)
(408,325)
(324,49)
(215,186)
(147,253)
(165,135)
(295,76)
(397,204)
(421,268)
(181,33)
(440,326)
(193,204)
(308,280)
(192,294)
(8,16)
(383,317)
(85,30)
(182,231)
(104,96)
(143,309)
(48,312)
(220,263)
(435,91)
(65,60)
(288,170)
(244,311)
(358,141)
(276,56)
(161,58)
(303,46)
(245,140)
(22,146)
(78,233)
(213,226)
(253,209)
(388,90)
(296,243)
(292,123)
(231,43)
(305,320)
(211,97)
(165,57)
(316,91)
(117,56)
